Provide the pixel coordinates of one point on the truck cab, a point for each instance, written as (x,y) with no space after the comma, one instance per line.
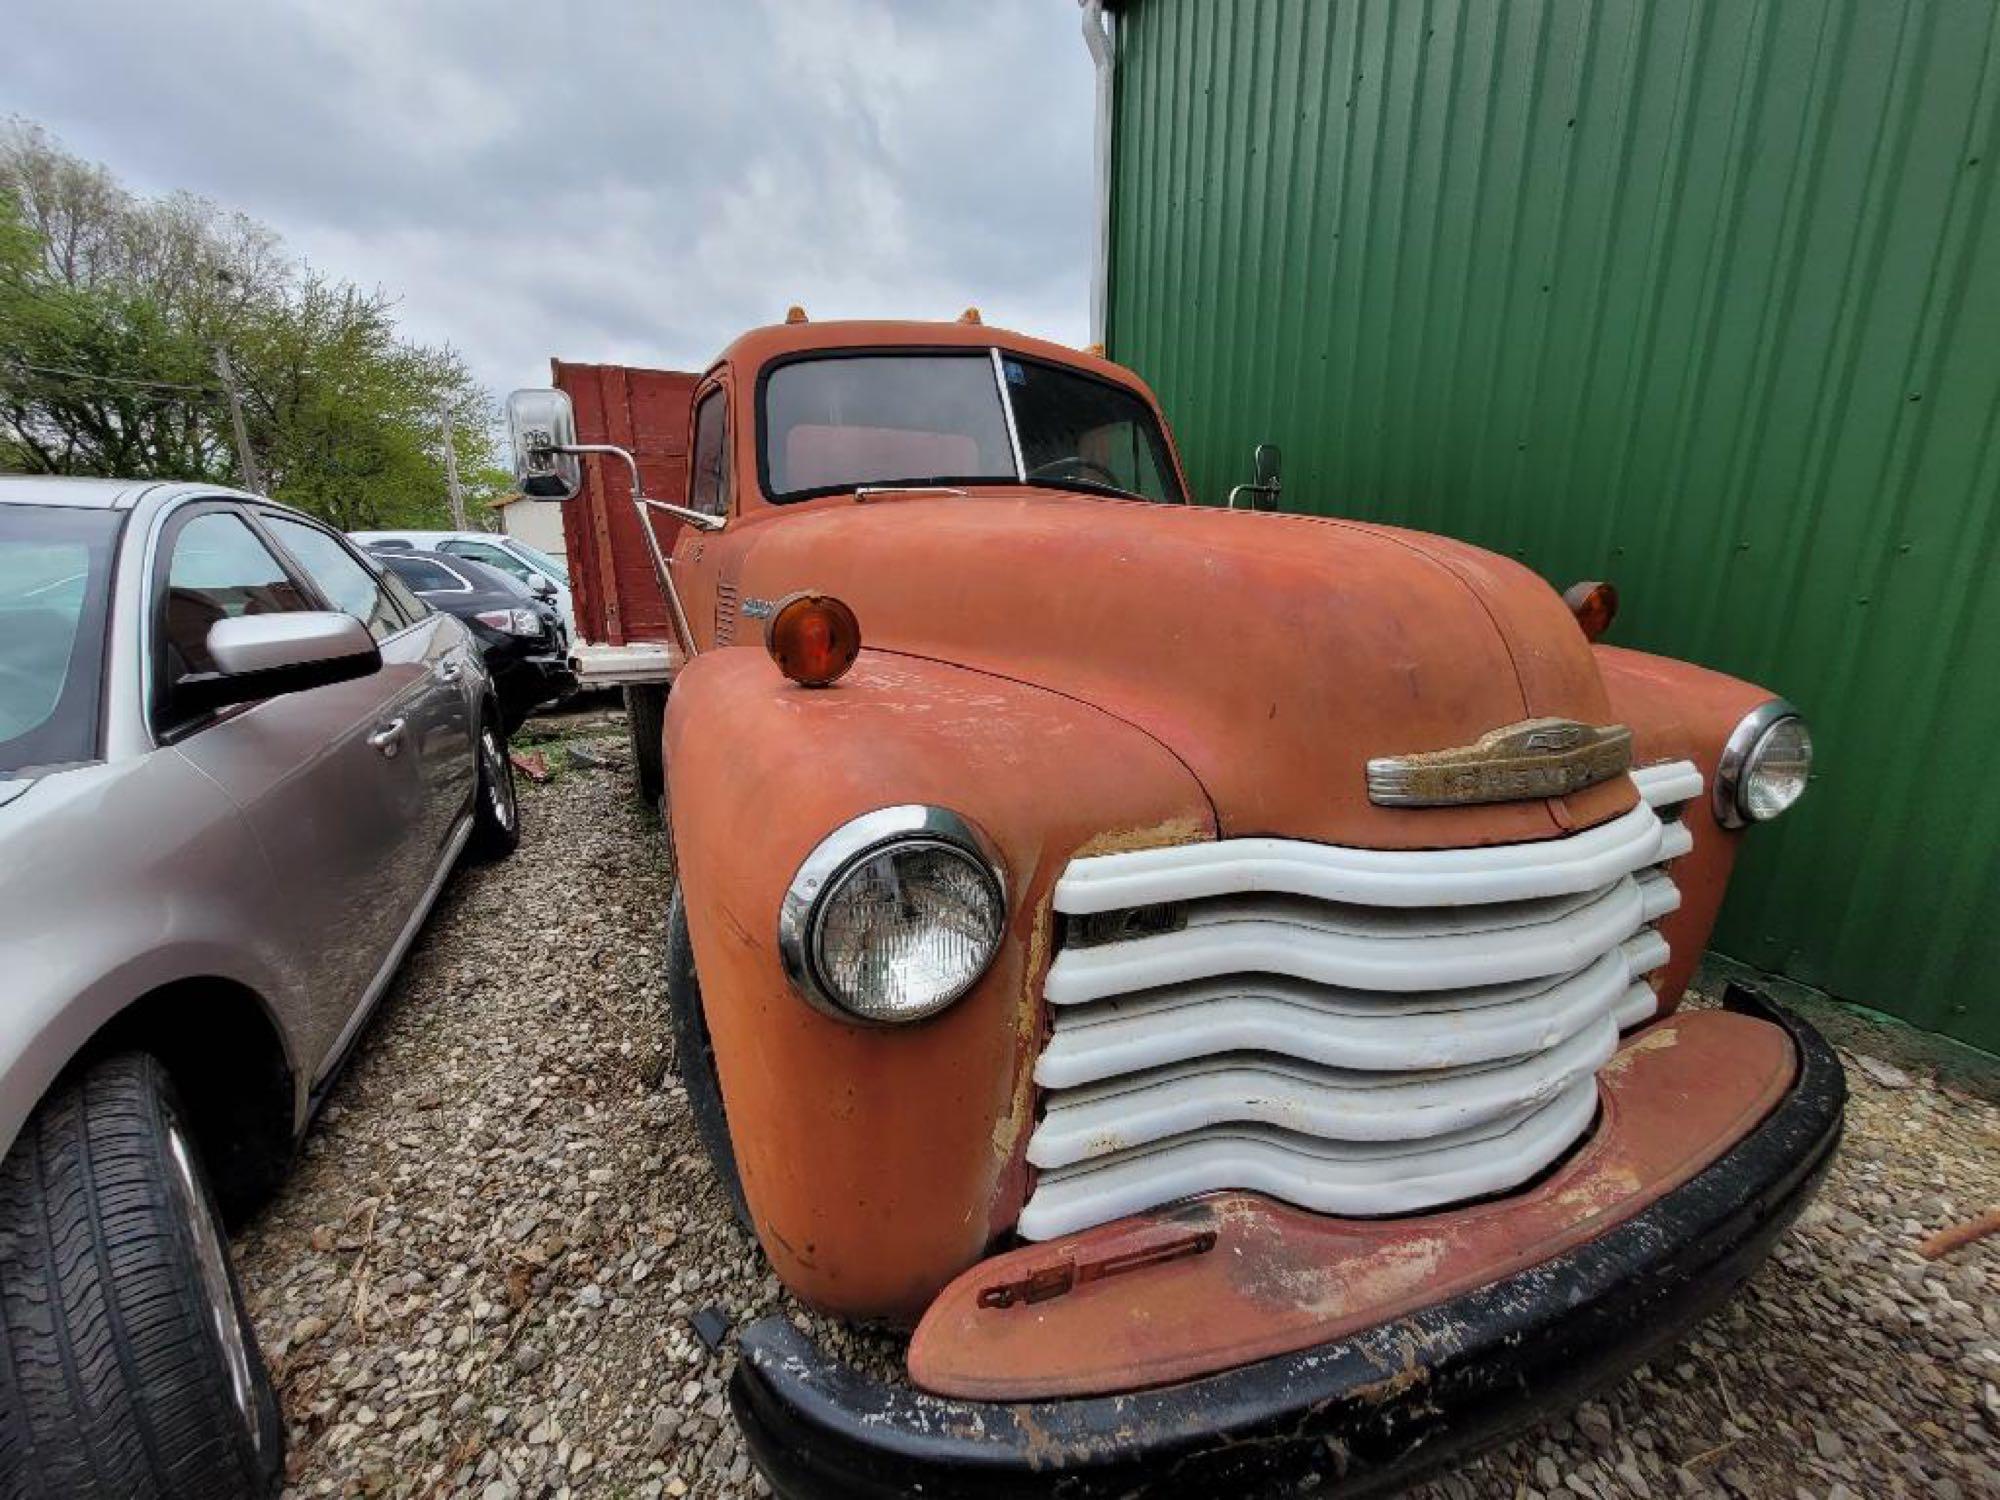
(1165,953)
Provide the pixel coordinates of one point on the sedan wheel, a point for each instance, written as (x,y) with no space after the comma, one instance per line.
(129,1368)
(496,811)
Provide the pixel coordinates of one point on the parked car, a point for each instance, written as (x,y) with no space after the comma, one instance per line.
(547,576)
(1216,973)
(519,634)
(237,763)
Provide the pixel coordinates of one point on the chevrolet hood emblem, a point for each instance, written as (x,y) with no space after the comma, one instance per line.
(1535,758)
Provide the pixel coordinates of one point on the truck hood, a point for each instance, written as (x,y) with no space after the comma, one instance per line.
(1275,655)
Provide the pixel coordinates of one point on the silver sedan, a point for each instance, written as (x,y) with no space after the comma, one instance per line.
(237,764)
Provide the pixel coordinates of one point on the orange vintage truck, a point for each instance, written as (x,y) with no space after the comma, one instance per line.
(1214,974)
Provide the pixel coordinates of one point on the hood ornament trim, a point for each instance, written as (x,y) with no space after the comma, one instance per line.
(1534,758)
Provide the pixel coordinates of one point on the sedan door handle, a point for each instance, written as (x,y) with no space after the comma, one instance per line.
(389,738)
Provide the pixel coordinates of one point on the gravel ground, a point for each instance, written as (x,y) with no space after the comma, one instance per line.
(481,1278)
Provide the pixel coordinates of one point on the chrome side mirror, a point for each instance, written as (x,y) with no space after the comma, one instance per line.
(539,422)
(1265,486)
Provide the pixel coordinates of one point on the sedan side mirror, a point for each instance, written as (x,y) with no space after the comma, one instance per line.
(261,656)
(543,587)
(540,422)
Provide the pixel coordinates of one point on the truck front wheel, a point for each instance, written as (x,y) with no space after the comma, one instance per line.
(645,718)
(694,1057)
(129,1367)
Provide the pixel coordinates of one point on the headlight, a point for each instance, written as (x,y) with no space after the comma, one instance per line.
(1764,766)
(894,916)
(512,621)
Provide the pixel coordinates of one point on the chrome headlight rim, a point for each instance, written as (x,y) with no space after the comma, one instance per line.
(907,825)
(1739,755)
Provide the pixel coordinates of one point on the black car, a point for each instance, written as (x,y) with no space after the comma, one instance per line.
(519,633)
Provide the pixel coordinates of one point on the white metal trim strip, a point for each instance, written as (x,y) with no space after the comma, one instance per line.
(1328,1103)
(1347,1179)
(1387,877)
(1669,783)
(1338,1028)
(1344,953)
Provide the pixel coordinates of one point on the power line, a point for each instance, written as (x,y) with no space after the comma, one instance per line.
(163,385)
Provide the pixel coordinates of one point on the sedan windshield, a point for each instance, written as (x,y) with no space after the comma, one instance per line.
(55,571)
(837,422)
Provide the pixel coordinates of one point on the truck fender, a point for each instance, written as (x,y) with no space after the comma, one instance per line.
(1679,711)
(880,1161)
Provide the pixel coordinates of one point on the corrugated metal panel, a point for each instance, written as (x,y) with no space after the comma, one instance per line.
(645,412)
(1702,297)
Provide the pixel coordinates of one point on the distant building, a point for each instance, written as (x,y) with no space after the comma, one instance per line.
(539,523)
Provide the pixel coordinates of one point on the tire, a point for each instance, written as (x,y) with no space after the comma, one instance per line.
(694,1057)
(128,1367)
(496,806)
(645,718)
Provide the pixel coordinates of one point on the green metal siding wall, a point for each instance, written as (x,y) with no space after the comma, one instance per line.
(1701,297)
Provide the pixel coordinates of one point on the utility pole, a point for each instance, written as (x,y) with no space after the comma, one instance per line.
(451,484)
(246,461)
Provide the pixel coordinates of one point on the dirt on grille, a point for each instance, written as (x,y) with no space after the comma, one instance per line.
(483,1277)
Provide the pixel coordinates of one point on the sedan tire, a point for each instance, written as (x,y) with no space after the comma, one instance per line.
(496,807)
(129,1367)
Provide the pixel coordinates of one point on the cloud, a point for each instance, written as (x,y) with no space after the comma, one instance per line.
(627,180)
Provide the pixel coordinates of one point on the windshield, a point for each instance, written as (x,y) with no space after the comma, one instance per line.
(558,571)
(839,421)
(55,571)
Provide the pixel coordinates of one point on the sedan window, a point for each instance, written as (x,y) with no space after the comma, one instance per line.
(219,570)
(339,574)
(55,572)
(423,575)
(493,557)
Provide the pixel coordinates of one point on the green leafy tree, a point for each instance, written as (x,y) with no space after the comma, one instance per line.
(113,308)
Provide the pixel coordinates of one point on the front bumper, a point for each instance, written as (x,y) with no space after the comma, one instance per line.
(1368,1412)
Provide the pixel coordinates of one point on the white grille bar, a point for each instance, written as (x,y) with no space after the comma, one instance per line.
(1338,1028)
(1394,949)
(1332,1103)
(1389,877)
(1327,1177)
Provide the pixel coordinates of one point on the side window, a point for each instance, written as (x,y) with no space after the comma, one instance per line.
(708,464)
(422,574)
(493,557)
(340,575)
(413,608)
(218,569)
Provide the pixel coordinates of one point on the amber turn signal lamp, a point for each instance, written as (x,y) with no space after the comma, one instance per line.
(813,638)
(1595,606)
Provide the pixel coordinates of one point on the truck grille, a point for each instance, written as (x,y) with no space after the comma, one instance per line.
(1355,1031)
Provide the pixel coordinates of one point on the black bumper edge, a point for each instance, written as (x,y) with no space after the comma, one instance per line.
(1366,1413)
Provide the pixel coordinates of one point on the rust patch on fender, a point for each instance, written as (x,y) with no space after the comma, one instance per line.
(1656,1040)
(1185,830)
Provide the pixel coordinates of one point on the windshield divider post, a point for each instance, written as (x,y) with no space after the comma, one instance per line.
(1007,408)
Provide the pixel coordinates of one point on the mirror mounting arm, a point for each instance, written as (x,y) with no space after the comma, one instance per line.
(663,568)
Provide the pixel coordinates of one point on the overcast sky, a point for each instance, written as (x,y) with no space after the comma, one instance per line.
(632,181)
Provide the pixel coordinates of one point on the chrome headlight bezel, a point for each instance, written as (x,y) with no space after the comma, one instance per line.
(1739,761)
(912,825)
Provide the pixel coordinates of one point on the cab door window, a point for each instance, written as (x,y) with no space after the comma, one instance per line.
(708,463)
(340,575)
